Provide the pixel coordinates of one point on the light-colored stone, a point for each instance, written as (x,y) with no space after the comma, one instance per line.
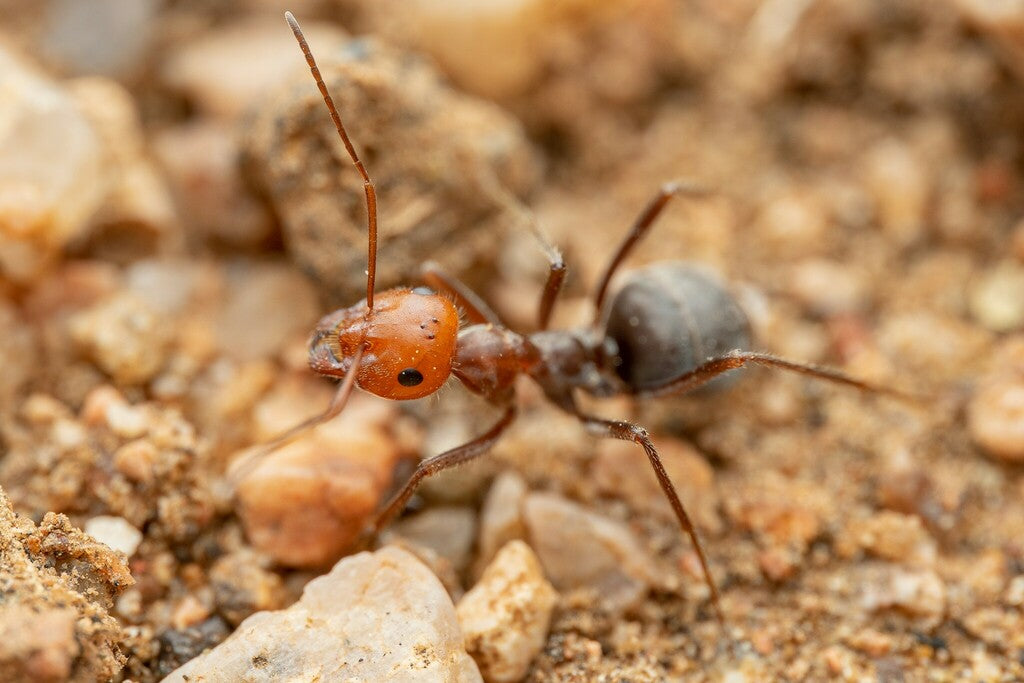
(108,36)
(506,615)
(137,214)
(581,549)
(891,536)
(997,298)
(900,186)
(996,418)
(52,173)
(448,531)
(306,503)
(374,617)
(200,159)
(125,337)
(267,303)
(501,518)
(919,593)
(115,532)
(226,70)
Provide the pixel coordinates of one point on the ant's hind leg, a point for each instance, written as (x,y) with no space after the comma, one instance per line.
(710,369)
(626,431)
(456,456)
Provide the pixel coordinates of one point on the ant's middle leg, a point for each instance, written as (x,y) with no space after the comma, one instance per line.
(476,309)
(456,456)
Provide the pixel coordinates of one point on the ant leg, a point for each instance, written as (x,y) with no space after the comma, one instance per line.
(475,308)
(490,185)
(627,431)
(710,369)
(556,277)
(643,223)
(456,456)
(242,467)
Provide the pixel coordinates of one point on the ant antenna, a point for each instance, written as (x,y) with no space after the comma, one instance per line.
(368,188)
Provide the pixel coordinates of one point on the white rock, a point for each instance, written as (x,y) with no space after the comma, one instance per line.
(52,174)
(506,615)
(501,518)
(115,532)
(997,299)
(581,549)
(919,593)
(449,531)
(267,303)
(374,617)
(230,68)
(124,336)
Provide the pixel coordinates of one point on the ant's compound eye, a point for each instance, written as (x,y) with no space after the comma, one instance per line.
(410,377)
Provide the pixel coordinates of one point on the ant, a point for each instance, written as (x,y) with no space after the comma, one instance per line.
(670,329)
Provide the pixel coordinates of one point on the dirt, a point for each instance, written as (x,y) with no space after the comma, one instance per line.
(866,163)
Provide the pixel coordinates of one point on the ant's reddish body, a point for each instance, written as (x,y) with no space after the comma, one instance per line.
(669,329)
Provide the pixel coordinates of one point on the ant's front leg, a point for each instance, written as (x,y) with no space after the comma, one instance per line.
(244,466)
(452,458)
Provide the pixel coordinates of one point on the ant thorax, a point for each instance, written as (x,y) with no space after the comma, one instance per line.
(575,359)
(488,358)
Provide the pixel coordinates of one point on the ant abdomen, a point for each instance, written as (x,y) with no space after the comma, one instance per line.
(667,319)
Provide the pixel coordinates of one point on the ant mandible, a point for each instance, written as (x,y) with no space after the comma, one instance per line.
(670,329)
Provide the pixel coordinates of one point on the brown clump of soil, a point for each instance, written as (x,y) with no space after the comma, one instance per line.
(58,585)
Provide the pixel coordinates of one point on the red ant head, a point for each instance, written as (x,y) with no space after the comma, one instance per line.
(408,338)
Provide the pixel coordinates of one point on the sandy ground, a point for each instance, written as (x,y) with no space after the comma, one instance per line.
(158,288)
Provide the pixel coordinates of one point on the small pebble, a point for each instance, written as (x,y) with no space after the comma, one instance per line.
(871,642)
(188,612)
(265,306)
(374,617)
(900,184)
(828,287)
(891,536)
(997,299)
(226,70)
(241,586)
(501,518)
(448,531)
(125,337)
(581,549)
(920,593)
(115,532)
(307,503)
(53,177)
(136,460)
(506,615)
(995,418)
